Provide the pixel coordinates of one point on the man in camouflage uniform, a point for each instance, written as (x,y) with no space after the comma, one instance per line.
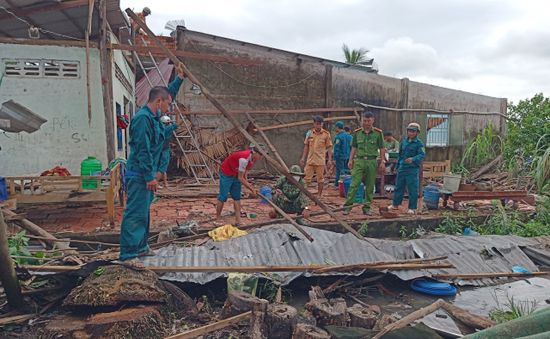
(287,196)
(365,145)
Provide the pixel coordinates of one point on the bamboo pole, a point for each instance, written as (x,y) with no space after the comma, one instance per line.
(303,122)
(8,277)
(88,86)
(287,217)
(236,123)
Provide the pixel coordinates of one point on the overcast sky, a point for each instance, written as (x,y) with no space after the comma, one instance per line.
(497,48)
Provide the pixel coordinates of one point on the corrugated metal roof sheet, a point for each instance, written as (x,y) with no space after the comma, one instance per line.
(275,245)
(280,245)
(474,254)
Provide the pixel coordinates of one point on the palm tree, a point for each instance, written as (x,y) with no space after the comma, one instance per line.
(356,56)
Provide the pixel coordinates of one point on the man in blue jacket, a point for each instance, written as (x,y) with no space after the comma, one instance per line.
(147,136)
(341,148)
(411,154)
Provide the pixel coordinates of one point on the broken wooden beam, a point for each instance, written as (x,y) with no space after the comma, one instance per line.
(410,318)
(36,230)
(287,217)
(145,50)
(196,332)
(237,125)
(467,318)
(487,167)
(303,122)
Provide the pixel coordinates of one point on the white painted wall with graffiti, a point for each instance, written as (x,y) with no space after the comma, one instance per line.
(50,81)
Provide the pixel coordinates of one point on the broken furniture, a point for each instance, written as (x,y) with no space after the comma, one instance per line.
(456,197)
(35,190)
(435,169)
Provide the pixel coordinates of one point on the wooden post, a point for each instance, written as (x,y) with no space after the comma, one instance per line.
(287,217)
(281,320)
(306,331)
(106,80)
(269,144)
(237,125)
(7,271)
(88,31)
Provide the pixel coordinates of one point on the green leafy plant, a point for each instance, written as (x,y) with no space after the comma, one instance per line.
(513,309)
(363,230)
(355,56)
(18,246)
(486,146)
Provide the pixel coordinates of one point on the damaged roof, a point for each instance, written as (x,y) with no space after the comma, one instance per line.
(279,245)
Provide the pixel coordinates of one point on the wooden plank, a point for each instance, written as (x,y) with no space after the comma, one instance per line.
(196,332)
(45,42)
(238,126)
(282,111)
(267,141)
(304,122)
(142,50)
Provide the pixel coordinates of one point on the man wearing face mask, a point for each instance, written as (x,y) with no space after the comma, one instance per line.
(147,136)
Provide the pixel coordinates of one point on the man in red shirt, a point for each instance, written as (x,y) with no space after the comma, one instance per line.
(233,173)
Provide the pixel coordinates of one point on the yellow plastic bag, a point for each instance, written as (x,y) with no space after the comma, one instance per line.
(226,232)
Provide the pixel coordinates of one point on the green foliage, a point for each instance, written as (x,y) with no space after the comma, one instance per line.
(17,245)
(527,128)
(503,223)
(486,146)
(267,290)
(355,56)
(364,229)
(413,234)
(541,168)
(512,310)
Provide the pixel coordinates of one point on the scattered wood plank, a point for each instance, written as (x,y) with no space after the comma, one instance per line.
(410,318)
(16,319)
(237,125)
(467,318)
(304,122)
(196,332)
(487,167)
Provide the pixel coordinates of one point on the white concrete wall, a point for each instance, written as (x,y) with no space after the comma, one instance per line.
(120,92)
(66,138)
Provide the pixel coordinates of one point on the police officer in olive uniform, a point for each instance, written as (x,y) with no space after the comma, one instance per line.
(366,143)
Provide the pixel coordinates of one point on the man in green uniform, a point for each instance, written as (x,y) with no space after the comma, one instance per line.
(147,135)
(287,196)
(366,144)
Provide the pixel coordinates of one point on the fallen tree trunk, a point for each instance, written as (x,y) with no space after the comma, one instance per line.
(487,167)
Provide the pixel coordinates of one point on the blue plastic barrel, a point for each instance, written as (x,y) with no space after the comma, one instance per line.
(3,189)
(266,192)
(360,196)
(433,287)
(431,197)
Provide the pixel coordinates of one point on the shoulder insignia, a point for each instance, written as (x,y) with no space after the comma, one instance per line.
(357,130)
(377,129)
